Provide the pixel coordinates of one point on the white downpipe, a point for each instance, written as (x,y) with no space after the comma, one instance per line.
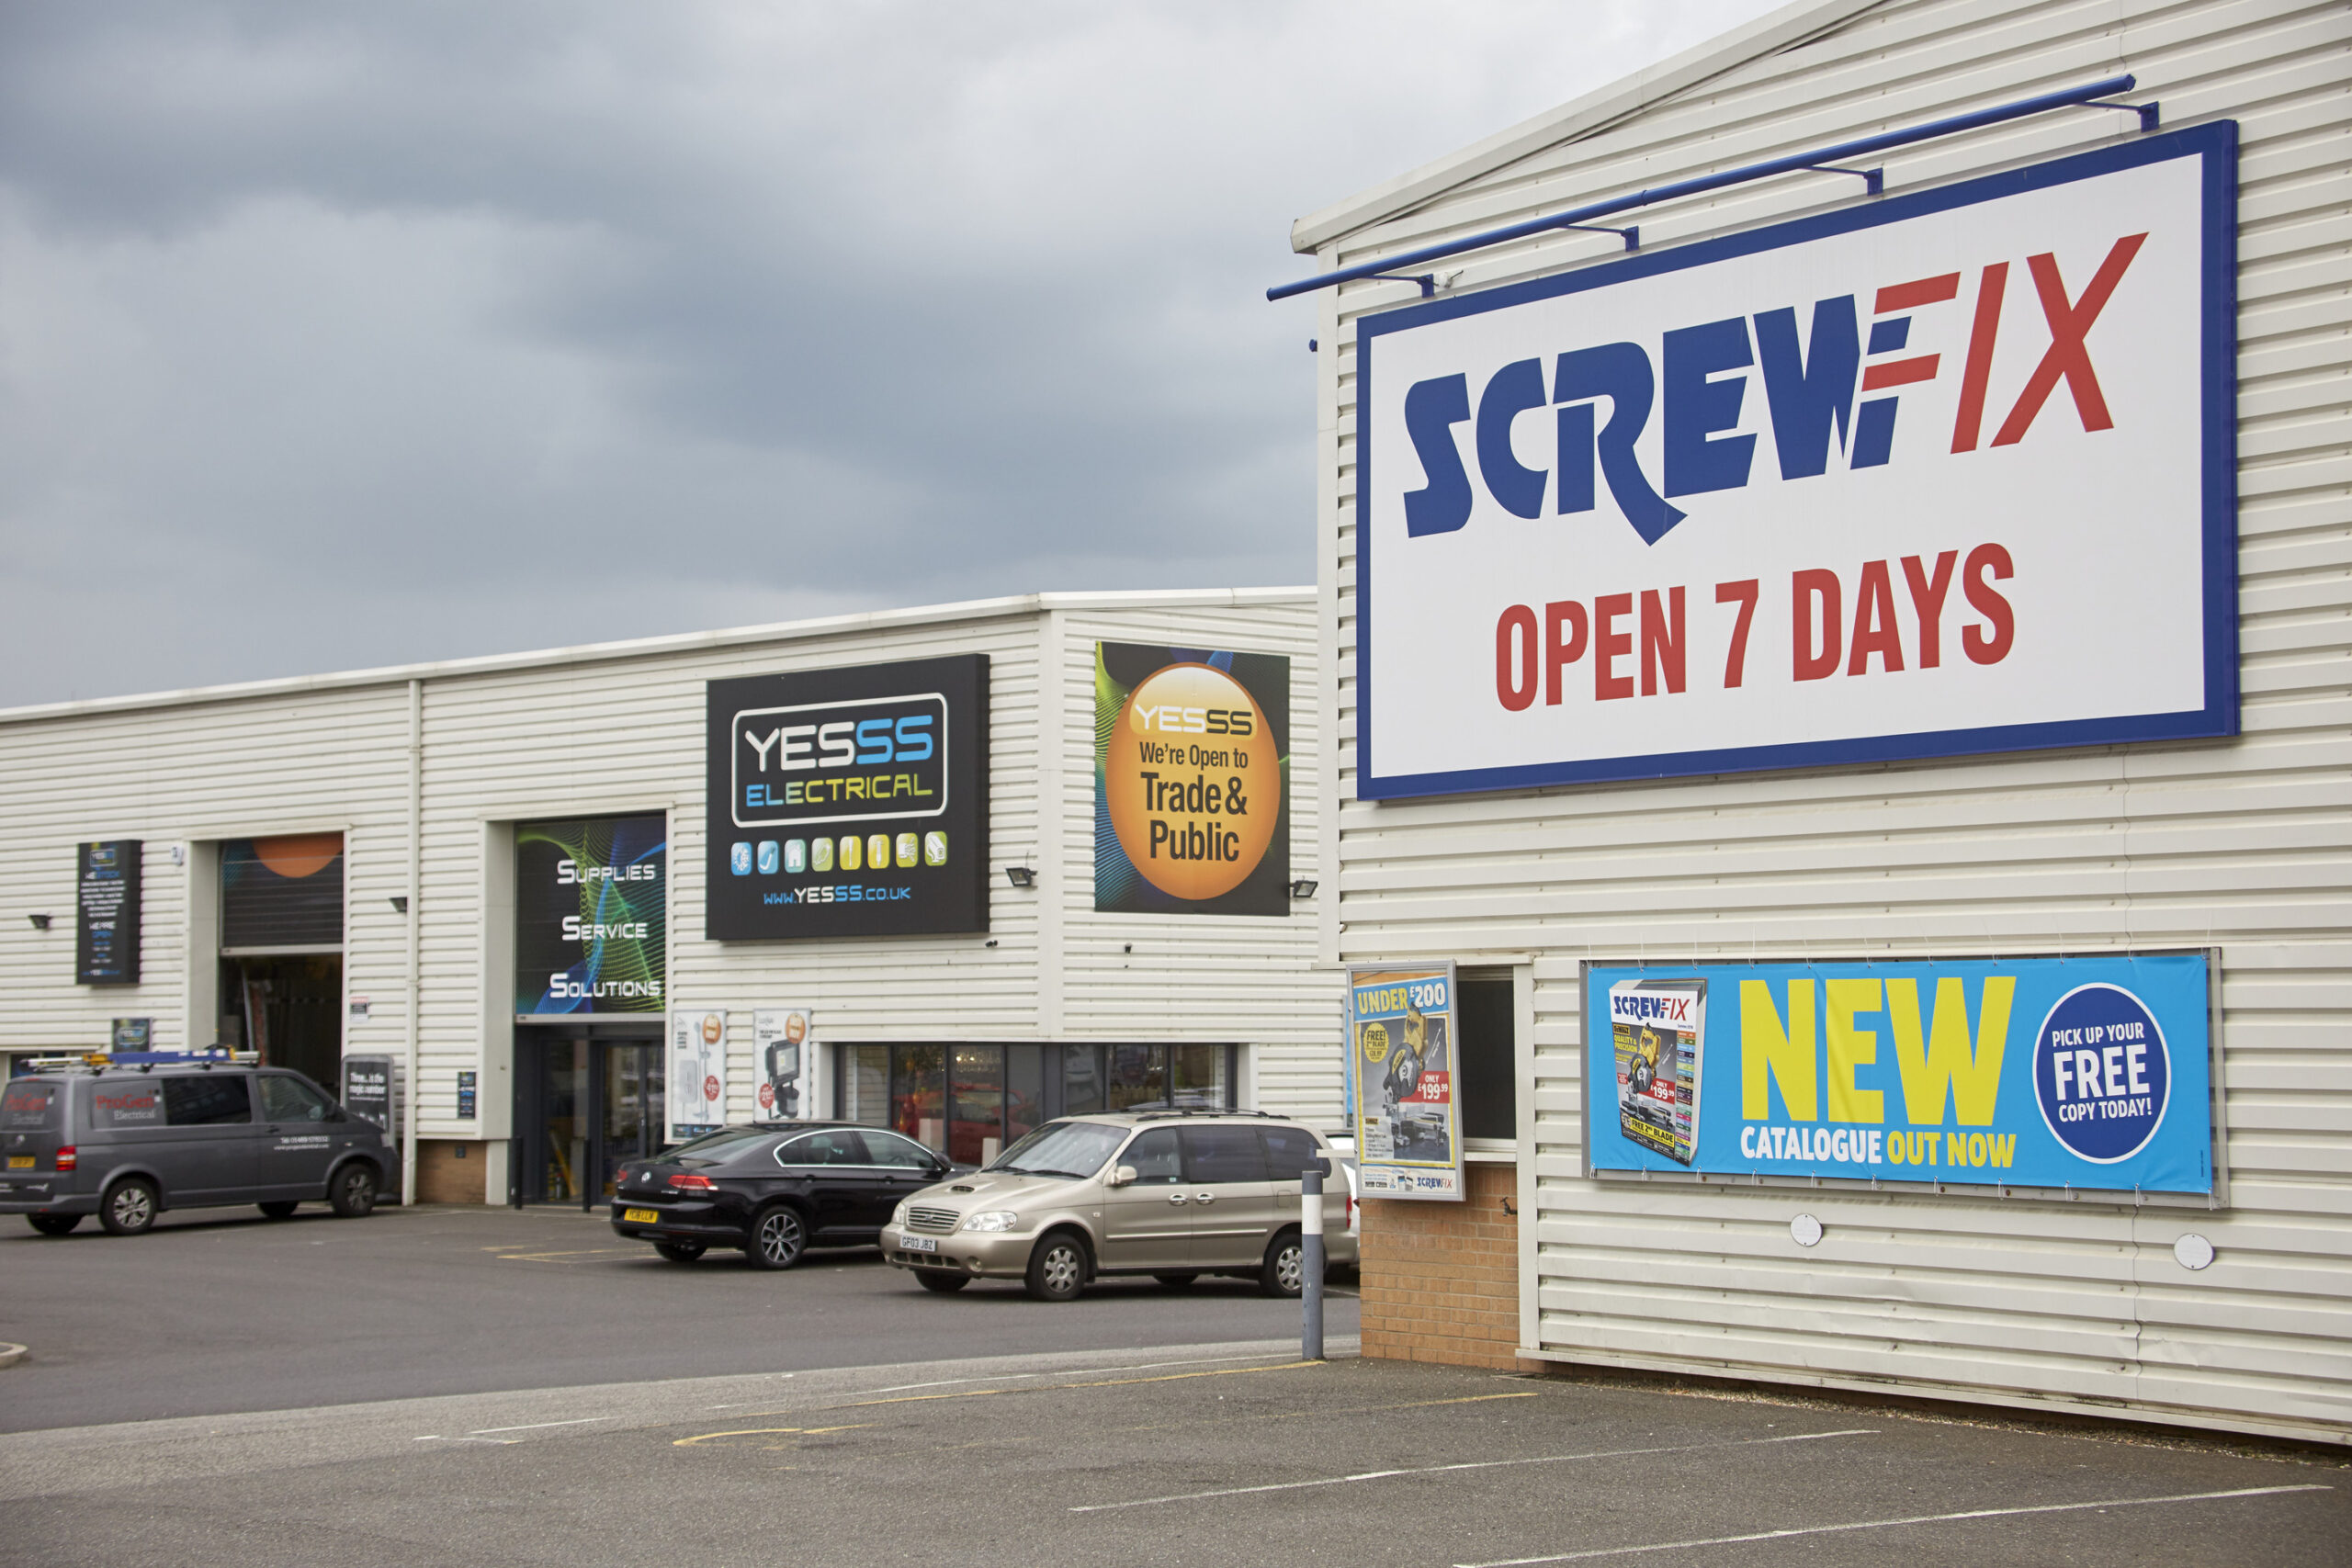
(416,946)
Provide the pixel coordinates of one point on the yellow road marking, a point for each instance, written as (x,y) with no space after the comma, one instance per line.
(767,1432)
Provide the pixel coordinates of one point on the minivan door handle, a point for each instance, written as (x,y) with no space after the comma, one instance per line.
(1203,1197)
(1177,1199)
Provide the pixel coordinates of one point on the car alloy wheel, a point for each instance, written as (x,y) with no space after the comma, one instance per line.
(354,1192)
(130,1208)
(1058,1269)
(1285,1273)
(778,1238)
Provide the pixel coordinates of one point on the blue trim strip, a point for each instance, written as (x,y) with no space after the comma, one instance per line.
(2216,143)
(1576,216)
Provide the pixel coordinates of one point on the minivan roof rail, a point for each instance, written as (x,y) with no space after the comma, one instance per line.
(1163,1114)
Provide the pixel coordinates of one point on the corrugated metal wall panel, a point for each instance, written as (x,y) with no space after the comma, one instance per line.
(2246,846)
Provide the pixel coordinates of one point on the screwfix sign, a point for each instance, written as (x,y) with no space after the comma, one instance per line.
(1948,473)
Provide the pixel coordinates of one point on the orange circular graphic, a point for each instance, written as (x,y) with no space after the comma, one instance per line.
(299,854)
(713,1026)
(1194,782)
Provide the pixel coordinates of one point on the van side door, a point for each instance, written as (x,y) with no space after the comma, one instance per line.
(1149,1223)
(208,1154)
(1233,1206)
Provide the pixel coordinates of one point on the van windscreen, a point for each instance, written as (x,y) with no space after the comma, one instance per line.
(29,1108)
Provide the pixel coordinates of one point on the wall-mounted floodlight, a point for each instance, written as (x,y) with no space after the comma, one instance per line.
(1302,888)
(41,922)
(399,906)
(1021,876)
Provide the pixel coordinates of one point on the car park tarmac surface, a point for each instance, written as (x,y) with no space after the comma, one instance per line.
(220,1310)
(1204,1455)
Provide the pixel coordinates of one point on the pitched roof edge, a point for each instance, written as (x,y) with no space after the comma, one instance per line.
(673,643)
(1626,95)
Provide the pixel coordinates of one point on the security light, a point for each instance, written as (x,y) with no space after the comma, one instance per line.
(1021,876)
(1302,888)
(399,906)
(41,922)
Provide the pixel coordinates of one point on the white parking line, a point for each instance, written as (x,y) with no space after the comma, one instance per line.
(1472,1464)
(1082,1371)
(1891,1524)
(535,1425)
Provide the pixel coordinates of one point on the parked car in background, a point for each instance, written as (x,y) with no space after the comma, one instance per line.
(1173,1194)
(774,1190)
(127,1142)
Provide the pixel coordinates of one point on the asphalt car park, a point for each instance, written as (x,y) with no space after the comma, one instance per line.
(222,1310)
(1203,1456)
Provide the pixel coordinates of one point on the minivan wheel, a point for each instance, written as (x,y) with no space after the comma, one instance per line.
(1285,1270)
(778,1239)
(680,1251)
(354,1195)
(1058,1269)
(129,1207)
(941,1282)
(52,1224)
(279,1208)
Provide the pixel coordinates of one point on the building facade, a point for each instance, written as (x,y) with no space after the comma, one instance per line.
(496,881)
(1578,868)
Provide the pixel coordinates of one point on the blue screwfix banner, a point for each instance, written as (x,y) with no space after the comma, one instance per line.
(2023,1072)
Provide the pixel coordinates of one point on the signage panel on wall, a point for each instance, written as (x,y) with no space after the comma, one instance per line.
(2087,1073)
(1401,1080)
(696,1091)
(591,915)
(1191,781)
(849,802)
(1950,472)
(782,1054)
(106,902)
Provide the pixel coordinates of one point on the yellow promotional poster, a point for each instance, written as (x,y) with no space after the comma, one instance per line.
(1191,773)
(1403,1094)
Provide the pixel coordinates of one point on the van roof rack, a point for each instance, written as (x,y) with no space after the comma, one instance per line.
(1164,1113)
(99,1061)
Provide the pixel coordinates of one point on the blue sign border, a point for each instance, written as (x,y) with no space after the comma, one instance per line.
(2216,143)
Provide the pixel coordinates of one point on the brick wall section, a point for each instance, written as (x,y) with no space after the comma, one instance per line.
(443,1178)
(1441,1280)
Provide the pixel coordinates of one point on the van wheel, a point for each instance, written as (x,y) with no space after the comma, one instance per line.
(1058,1269)
(1177,1281)
(129,1207)
(354,1195)
(279,1208)
(941,1282)
(52,1224)
(1285,1270)
(680,1251)
(778,1238)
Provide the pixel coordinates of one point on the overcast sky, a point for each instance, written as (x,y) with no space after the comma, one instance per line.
(335,336)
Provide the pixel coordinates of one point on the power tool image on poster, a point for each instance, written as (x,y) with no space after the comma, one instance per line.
(1415,1102)
(1659,1029)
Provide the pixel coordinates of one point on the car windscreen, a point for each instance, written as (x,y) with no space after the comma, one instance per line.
(1061,1148)
(29,1108)
(724,1145)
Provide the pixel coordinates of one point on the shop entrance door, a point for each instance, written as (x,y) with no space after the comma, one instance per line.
(584,1105)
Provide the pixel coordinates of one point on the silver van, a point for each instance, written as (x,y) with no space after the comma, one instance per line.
(1174,1194)
(127,1143)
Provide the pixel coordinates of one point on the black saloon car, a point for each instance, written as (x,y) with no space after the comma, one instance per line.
(772,1191)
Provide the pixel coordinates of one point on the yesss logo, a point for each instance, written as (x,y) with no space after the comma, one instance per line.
(1827,384)
(879,757)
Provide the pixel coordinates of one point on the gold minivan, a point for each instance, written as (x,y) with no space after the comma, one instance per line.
(1174,1194)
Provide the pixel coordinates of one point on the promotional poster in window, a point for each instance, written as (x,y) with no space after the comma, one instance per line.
(1403,1108)
(2077,1074)
(591,916)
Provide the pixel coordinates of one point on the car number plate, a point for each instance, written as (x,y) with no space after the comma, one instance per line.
(21,1162)
(917,1242)
(641,1216)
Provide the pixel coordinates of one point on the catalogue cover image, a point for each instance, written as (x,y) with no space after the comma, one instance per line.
(1659,1029)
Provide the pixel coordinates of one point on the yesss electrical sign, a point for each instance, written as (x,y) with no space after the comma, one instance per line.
(1950,472)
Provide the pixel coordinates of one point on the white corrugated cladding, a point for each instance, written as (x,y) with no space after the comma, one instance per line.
(618,730)
(2243,845)
(305,760)
(1248,980)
